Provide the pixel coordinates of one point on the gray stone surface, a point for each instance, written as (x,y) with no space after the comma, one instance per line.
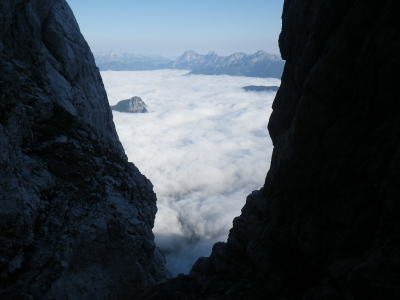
(133,105)
(75,215)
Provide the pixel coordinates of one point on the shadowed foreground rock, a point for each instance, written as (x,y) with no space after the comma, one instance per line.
(75,215)
(326,223)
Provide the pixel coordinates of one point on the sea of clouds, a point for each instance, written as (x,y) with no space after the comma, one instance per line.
(204,146)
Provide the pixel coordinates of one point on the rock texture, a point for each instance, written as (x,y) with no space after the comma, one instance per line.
(75,215)
(133,105)
(260,88)
(326,223)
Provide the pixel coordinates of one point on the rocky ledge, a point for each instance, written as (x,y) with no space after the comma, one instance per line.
(76,217)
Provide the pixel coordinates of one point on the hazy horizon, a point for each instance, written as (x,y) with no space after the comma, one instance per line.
(171,57)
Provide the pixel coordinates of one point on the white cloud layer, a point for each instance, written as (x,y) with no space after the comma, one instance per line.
(205,147)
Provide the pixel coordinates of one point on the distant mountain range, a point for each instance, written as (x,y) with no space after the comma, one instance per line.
(119,61)
(259,64)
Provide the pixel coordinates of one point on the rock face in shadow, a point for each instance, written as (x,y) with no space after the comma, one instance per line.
(75,215)
(326,223)
(133,105)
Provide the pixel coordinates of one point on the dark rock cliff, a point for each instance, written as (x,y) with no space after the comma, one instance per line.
(75,215)
(326,223)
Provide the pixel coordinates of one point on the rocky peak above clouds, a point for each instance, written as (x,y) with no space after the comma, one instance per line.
(133,105)
(192,60)
(259,64)
(188,60)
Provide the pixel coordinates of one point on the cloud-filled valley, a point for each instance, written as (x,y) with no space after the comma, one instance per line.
(204,146)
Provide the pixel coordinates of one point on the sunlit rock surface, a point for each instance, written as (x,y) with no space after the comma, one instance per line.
(75,215)
(326,223)
(133,105)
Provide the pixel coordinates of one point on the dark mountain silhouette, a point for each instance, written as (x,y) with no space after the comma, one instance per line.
(325,225)
(75,215)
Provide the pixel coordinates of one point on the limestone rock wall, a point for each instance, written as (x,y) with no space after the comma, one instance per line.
(75,215)
(326,223)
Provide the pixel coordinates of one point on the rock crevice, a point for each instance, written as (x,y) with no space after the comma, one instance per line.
(325,225)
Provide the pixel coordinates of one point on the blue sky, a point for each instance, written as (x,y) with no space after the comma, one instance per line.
(170,27)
